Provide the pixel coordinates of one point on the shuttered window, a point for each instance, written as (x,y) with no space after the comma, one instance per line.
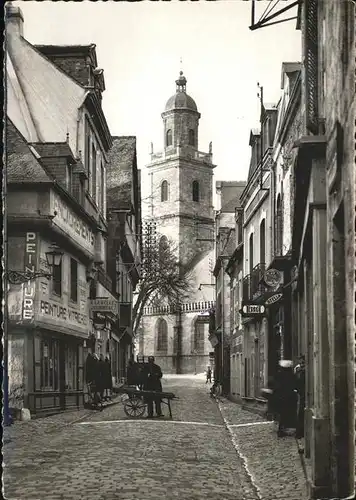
(311,64)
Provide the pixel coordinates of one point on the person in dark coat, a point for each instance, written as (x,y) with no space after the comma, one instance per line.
(152,382)
(131,373)
(208,375)
(90,364)
(300,385)
(107,378)
(101,374)
(286,397)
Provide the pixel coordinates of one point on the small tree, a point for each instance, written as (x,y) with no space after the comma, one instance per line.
(162,279)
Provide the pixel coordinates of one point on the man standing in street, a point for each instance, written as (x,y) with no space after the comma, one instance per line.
(153,382)
(300,383)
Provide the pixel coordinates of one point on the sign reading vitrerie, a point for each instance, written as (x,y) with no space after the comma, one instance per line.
(63,313)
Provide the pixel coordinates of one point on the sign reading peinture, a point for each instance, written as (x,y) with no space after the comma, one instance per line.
(63,314)
(29,288)
(71,223)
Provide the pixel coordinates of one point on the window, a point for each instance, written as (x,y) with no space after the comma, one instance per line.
(87,149)
(49,366)
(93,173)
(195,191)
(102,193)
(162,335)
(57,279)
(191,137)
(279,227)
(169,138)
(73,280)
(311,64)
(263,241)
(198,340)
(250,255)
(69,178)
(163,245)
(164,191)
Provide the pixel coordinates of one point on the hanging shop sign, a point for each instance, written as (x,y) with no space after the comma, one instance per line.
(276,297)
(105,305)
(273,278)
(252,310)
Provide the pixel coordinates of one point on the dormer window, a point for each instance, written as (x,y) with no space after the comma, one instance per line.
(169,138)
(191,137)
(164,191)
(195,191)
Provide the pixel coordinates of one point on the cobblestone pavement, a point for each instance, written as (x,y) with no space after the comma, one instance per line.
(274,463)
(105,455)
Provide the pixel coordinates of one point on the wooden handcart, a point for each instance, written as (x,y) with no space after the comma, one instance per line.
(135,404)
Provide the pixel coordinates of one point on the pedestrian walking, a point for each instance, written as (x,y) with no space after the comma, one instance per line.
(208,375)
(152,382)
(285,397)
(300,385)
(107,378)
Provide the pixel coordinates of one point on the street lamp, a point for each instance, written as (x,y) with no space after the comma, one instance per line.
(53,257)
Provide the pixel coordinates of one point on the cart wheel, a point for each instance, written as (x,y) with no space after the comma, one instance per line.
(134,408)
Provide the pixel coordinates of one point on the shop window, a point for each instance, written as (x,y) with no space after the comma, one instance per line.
(49,361)
(162,335)
(57,279)
(169,138)
(191,137)
(73,280)
(164,191)
(195,191)
(71,368)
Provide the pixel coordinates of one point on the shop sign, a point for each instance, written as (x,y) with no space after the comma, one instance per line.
(71,223)
(29,288)
(253,310)
(63,314)
(273,299)
(273,278)
(213,340)
(105,305)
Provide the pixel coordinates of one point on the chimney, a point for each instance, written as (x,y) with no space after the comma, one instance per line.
(14,20)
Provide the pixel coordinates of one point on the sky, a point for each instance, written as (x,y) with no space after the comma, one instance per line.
(142,46)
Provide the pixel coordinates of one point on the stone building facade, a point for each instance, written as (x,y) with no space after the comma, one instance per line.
(229,193)
(124,242)
(182,208)
(324,239)
(57,141)
(257,244)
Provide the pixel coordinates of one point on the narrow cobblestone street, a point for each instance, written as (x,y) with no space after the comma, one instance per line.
(208,451)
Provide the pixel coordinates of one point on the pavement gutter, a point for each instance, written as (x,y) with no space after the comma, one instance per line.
(236,446)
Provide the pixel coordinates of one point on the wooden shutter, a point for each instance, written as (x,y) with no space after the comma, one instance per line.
(311,64)
(37,359)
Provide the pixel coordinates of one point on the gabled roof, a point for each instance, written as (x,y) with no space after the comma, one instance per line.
(22,165)
(49,96)
(120,176)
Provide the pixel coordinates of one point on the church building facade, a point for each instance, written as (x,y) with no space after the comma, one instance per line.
(181,180)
